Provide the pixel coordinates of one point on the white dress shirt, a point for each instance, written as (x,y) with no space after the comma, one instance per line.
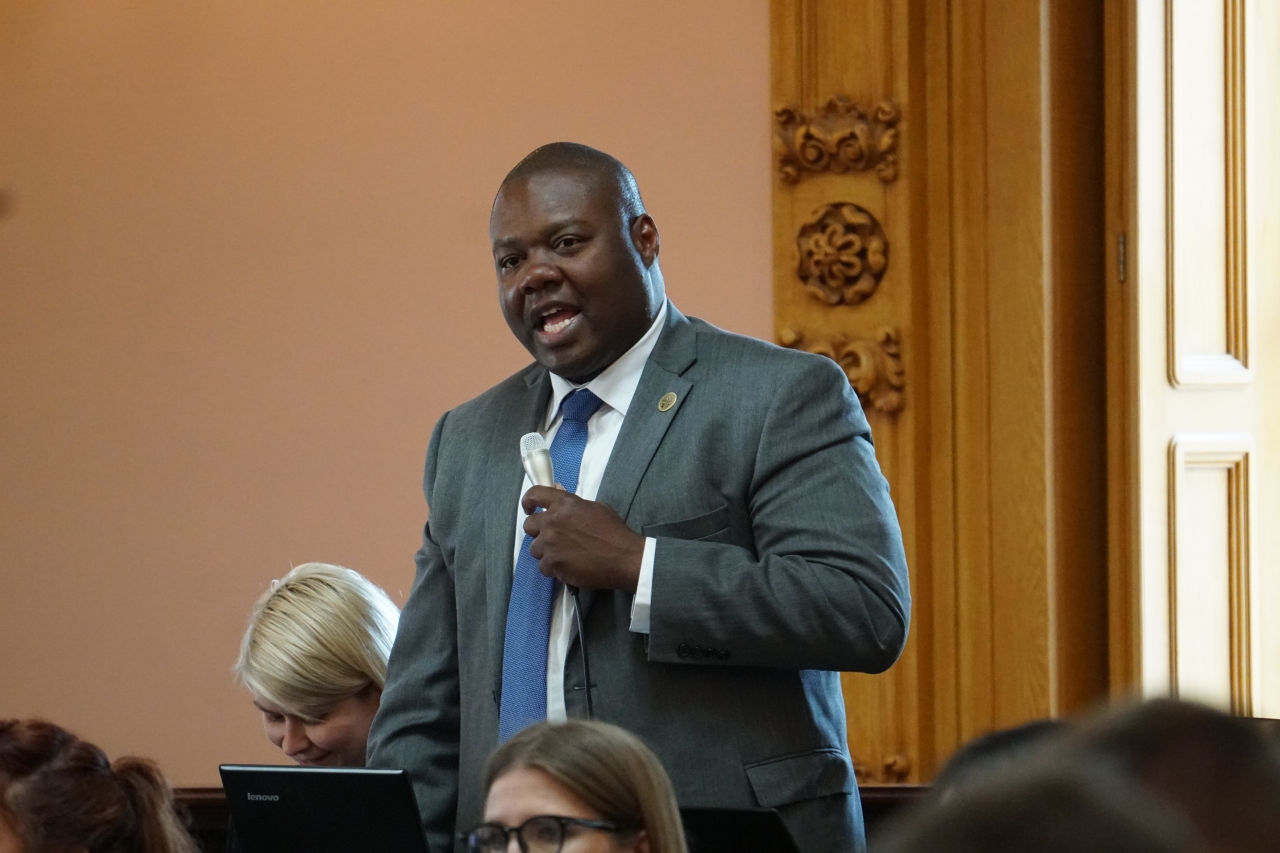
(615,386)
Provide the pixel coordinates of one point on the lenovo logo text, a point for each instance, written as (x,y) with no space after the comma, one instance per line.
(264,798)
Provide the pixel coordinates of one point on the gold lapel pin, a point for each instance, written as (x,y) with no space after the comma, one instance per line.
(668,400)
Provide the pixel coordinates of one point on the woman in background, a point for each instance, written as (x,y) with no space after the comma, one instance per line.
(60,794)
(315,659)
(580,787)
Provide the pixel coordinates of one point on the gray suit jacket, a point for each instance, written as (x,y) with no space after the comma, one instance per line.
(779,563)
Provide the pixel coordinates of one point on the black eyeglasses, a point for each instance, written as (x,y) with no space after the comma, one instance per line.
(541,834)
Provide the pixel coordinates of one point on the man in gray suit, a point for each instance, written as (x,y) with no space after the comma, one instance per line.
(731,532)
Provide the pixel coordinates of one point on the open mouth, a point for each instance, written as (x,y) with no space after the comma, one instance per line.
(555,320)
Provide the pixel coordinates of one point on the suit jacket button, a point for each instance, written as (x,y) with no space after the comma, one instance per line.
(724,654)
(683,650)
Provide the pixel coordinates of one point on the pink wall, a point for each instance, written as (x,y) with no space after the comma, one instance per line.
(244,268)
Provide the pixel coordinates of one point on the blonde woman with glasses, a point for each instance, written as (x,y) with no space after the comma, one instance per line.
(315,659)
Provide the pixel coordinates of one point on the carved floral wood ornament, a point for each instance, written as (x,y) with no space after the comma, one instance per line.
(840,137)
(873,365)
(842,253)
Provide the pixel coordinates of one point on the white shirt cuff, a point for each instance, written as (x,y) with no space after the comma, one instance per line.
(644,589)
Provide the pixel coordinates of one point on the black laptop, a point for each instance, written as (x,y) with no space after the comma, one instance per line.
(322,810)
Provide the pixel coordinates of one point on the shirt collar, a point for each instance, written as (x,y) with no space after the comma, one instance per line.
(617,383)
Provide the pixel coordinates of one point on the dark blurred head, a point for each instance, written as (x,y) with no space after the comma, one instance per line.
(1038,809)
(994,753)
(1217,770)
(59,793)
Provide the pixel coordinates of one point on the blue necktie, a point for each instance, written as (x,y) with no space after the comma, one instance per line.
(524,650)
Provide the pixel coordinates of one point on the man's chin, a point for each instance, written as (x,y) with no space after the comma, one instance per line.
(569,364)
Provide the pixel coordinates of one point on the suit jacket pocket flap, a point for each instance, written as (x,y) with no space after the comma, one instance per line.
(698,527)
(805,776)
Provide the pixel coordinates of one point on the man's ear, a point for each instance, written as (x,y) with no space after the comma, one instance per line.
(644,236)
(641,843)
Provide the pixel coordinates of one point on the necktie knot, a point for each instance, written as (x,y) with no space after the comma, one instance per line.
(580,406)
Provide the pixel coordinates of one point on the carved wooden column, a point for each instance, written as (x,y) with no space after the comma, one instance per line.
(843,273)
(938,187)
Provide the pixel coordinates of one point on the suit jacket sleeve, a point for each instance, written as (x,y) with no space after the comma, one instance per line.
(822,582)
(417,725)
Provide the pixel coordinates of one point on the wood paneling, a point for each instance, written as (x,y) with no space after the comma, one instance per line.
(991,303)
(1123,488)
(1210,570)
(1205,192)
(1079,274)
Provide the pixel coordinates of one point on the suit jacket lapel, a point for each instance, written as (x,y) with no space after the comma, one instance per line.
(502,490)
(645,424)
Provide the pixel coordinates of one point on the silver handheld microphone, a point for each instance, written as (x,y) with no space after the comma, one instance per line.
(537,460)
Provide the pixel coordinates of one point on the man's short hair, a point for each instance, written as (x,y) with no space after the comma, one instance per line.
(574,156)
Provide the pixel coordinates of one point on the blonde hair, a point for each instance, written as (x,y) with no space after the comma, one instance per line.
(605,767)
(319,635)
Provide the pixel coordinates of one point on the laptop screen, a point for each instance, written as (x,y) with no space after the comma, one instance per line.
(322,810)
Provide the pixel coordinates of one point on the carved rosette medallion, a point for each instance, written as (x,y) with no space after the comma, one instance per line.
(841,253)
(840,138)
(873,364)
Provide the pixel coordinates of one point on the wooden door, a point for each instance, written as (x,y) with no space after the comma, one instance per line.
(1194,349)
